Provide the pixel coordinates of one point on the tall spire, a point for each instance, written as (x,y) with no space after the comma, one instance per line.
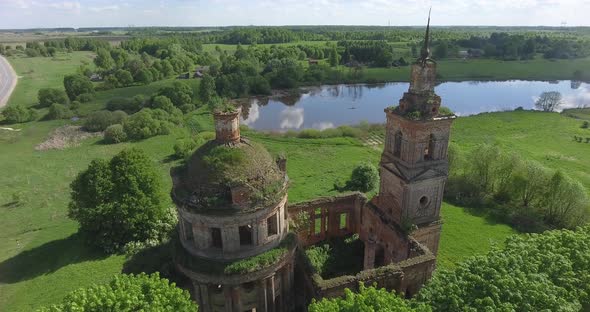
(425,52)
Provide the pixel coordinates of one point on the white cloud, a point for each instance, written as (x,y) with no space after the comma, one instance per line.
(105,8)
(291,118)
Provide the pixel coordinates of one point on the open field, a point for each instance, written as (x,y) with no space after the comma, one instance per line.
(41,257)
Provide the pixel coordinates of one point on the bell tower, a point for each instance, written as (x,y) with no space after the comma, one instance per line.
(414,164)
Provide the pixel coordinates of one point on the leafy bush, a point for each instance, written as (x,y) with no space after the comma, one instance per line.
(183,148)
(364,178)
(58,111)
(585,125)
(115,134)
(121,201)
(127,293)
(48,96)
(179,93)
(100,120)
(367,299)
(77,84)
(18,114)
(85,97)
(534,272)
(146,123)
(443,110)
(162,102)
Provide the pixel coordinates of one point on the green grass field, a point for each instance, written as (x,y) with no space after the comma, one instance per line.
(41,257)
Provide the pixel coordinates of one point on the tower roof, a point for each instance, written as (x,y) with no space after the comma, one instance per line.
(425,51)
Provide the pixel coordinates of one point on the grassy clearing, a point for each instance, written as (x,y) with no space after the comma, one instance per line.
(465,235)
(543,137)
(43,72)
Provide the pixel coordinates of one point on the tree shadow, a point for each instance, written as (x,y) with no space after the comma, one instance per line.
(48,258)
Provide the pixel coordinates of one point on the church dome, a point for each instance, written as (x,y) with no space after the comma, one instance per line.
(225,176)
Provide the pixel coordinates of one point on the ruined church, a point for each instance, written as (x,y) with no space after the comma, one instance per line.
(234,242)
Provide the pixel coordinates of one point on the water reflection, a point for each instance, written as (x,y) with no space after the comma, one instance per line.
(332,106)
(291,118)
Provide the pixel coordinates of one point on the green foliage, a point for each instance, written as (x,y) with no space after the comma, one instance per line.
(146,123)
(120,201)
(523,193)
(58,111)
(115,134)
(443,110)
(162,102)
(220,158)
(207,89)
(100,120)
(124,78)
(179,93)
(127,293)
(364,178)
(19,114)
(368,299)
(76,85)
(535,272)
(85,97)
(337,257)
(183,148)
(103,59)
(48,96)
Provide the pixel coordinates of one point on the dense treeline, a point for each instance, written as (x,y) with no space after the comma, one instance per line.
(520,192)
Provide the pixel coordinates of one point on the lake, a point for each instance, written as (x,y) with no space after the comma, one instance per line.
(331,106)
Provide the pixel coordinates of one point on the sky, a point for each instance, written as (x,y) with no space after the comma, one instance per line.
(94,13)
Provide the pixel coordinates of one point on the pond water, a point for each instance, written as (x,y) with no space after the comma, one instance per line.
(332,106)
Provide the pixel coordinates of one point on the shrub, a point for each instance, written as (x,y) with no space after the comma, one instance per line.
(443,110)
(100,120)
(162,102)
(58,111)
(119,104)
(146,123)
(85,97)
(77,84)
(115,134)
(127,293)
(179,93)
(183,148)
(367,299)
(364,178)
(585,125)
(18,114)
(121,201)
(48,96)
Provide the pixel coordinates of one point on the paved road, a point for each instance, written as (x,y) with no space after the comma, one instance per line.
(7,81)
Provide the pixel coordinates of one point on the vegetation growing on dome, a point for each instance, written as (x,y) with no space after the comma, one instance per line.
(445,111)
(221,105)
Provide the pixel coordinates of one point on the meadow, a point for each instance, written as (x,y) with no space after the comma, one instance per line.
(42,258)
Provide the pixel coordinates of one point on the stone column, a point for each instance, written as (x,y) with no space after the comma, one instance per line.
(369,261)
(227,294)
(271,293)
(262,304)
(236,300)
(204,298)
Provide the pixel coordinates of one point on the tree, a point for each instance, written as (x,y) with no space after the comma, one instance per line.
(441,51)
(58,111)
(368,299)
(162,102)
(549,101)
(103,59)
(207,89)
(127,293)
(100,120)
(115,134)
(144,124)
(564,202)
(144,76)
(18,114)
(535,272)
(364,178)
(179,93)
(77,84)
(334,56)
(48,96)
(124,77)
(120,201)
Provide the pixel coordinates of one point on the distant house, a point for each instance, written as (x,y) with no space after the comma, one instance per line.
(184,76)
(95,77)
(313,61)
(200,71)
(463,54)
(474,53)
